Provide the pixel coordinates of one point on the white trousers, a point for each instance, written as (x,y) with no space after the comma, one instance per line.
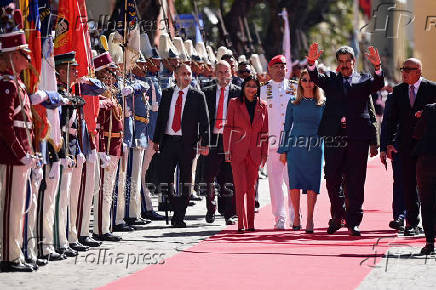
(135,183)
(46,213)
(277,174)
(89,185)
(148,155)
(13,185)
(120,198)
(62,203)
(30,234)
(76,181)
(103,199)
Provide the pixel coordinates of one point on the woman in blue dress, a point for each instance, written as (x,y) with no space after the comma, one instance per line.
(302,148)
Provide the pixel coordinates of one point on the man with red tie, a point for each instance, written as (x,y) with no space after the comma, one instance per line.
(217,97)
(183,120)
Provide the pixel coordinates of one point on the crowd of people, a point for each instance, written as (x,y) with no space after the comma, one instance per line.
(181,117)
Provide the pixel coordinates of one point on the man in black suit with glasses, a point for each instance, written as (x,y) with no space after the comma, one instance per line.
(408,100)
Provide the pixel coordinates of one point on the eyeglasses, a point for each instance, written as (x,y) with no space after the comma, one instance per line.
(244,71)
(306,81)
(407,69)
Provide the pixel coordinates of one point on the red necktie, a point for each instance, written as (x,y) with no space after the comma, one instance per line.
(177,120)
(219,115)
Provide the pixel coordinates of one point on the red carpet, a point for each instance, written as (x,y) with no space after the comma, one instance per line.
(268,259)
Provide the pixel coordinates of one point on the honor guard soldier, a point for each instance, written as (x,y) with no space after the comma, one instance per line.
(16,153)
(72,157)
(170,61)
(154,94)
(277,93)
(110,148)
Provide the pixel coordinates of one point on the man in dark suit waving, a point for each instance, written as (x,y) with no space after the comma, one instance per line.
(408,100)
(217,97)
(183,121)
(348,132)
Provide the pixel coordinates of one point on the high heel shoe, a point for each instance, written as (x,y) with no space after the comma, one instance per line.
(297,227)
(309,227)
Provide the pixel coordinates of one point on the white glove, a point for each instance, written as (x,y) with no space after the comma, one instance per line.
(37,175)
(64,101)
(125,149)
(67,162)
(155,107)
(105,160)
(38,97)
(93,156)
(128,112)
(80,159)
(28,161)
(55,170)
(126,91)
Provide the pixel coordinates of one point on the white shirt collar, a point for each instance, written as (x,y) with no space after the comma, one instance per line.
(226,88)
(279,84)
(185,90)
(418,82)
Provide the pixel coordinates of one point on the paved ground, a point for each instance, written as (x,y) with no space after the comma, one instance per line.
(152,244)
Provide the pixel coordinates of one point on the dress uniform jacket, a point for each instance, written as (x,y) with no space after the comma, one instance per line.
(14,143)
(117,133)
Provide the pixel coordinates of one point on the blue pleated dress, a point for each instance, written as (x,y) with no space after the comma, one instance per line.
(302,144)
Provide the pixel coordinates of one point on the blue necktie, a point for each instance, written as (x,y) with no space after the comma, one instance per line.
(347,85)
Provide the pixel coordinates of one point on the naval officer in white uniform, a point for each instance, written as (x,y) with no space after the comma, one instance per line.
(277,93)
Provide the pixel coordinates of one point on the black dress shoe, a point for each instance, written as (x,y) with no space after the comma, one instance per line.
(210,217)
(230,221)
(191,203)
(427,250)
(152,215)
(354,231)
(179,224)
(15,267)
(195,197)
(107,237)
(251,230)
(296,228)
(69,252)
(137,221)
(122,228)
(334,226)
(41,262)
(397,224)
(54,257)
(256,204)
(410,231)
(88,241)
(241,231)
(32,263)
(78,247)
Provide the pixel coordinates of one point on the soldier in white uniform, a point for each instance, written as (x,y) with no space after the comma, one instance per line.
(277,93)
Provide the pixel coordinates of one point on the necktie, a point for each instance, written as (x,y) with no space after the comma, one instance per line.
(177,120)
(219,115)
(412,96)
(347,85)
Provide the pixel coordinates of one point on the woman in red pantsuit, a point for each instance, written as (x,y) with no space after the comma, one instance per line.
(246,146)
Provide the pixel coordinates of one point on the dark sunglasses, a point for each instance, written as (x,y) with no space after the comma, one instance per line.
(244,71)
(306,81)
(407,69)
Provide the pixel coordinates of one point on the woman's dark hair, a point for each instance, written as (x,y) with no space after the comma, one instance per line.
(242,97)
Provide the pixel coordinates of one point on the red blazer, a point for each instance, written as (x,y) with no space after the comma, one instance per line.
(242,137)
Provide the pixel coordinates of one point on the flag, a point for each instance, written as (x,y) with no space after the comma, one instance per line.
(132,36)
(32,26)
(72,34)
(287,42)
(365,5)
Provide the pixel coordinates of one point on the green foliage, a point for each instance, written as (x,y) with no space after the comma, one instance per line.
(335,31)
